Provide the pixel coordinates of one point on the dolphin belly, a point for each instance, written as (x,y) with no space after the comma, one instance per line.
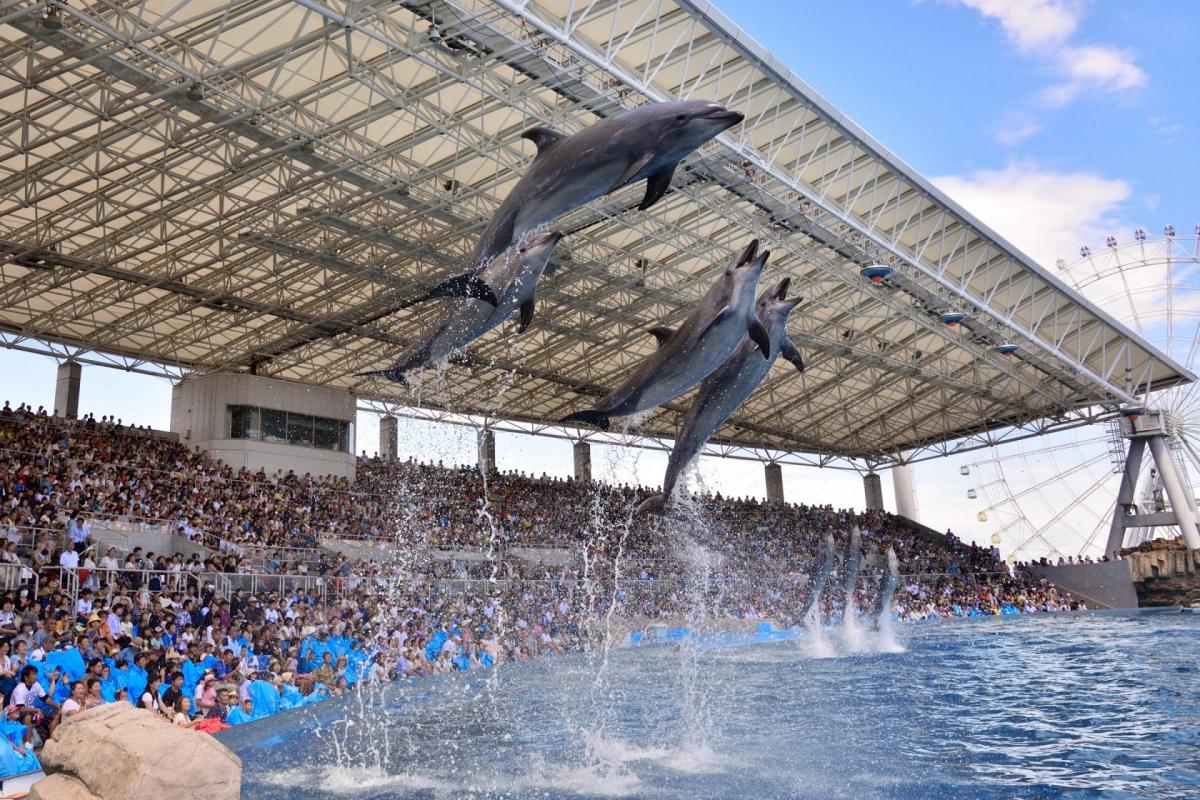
(570,191)
(509,303)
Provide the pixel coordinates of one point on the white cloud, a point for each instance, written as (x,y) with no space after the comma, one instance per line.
(1015,128)
(1044,29)
(1046,214)
(1164,127)
(1032,24)
(1098,68)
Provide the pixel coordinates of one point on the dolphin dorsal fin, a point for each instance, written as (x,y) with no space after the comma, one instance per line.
(661,333)
(544,138)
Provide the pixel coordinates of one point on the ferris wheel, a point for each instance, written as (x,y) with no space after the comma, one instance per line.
(1055,496)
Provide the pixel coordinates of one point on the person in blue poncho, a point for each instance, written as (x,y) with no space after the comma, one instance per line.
(241,714)
(266,698)
(16,753)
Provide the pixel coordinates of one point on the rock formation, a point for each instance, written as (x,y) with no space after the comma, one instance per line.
(118,752)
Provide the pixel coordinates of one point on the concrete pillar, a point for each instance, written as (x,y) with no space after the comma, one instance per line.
(66,390)
(583,461)
(774,475)
(1125,496)
(873,487)
(1181,504)
(487,451)
(906,493)
(389,437)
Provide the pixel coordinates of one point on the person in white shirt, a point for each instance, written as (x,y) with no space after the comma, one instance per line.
(83,606)
(27,691)
(74,704)
(109,562)
(69,559)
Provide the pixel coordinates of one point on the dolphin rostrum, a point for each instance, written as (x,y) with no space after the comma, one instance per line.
(887,589)
(816,584)
(690,353)
(727,388)
(514,275)
(570,171)
(853,562)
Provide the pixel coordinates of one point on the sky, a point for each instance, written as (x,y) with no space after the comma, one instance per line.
(1056,122)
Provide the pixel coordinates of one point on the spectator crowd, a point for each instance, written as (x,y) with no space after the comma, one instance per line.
(442,571)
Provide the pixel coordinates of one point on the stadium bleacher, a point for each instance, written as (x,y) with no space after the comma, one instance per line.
(248,605)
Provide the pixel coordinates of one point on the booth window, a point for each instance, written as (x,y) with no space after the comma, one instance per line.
(274,425)
(282,427)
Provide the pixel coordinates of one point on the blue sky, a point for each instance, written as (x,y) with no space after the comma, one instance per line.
(1056,122)
(1084,112)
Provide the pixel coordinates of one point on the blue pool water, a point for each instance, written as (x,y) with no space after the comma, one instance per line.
(1088,706)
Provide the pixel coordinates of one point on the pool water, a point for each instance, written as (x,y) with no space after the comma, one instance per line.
(1081,705)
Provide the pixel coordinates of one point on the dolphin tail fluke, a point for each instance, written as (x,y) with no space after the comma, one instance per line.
(758,334)
(655,504)
(394,375)
(594,418)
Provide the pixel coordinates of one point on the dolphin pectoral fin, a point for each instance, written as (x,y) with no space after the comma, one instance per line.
(661,333)
(633,169)
(463,286)
(526,315)
(655,504)
(656,186)
(758,334)
(789,351)
(544,138)
(588,418)
(724,315)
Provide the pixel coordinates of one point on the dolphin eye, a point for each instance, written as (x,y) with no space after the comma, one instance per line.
(681,117)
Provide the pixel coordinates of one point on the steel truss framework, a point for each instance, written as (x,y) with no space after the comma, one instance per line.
(260,184)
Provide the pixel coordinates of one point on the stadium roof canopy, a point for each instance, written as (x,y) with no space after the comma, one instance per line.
(260,184)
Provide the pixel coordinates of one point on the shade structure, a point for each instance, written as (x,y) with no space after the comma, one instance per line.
(262,185)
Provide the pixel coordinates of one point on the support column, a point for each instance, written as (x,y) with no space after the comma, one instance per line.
(1129,479)
(873,487)
(774,475)
(583,461)
(906,493)
(1181,504)
(487,451)
(389,437)
(66,390)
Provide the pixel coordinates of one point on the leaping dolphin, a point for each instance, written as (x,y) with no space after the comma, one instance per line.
(689,354)
(570,171)
(514,275)
(817,583)
(728,387)
(887,590)
(853,562)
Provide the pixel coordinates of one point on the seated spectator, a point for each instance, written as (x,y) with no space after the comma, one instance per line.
(182,709)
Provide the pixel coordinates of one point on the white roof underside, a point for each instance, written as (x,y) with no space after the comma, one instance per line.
(198,233)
